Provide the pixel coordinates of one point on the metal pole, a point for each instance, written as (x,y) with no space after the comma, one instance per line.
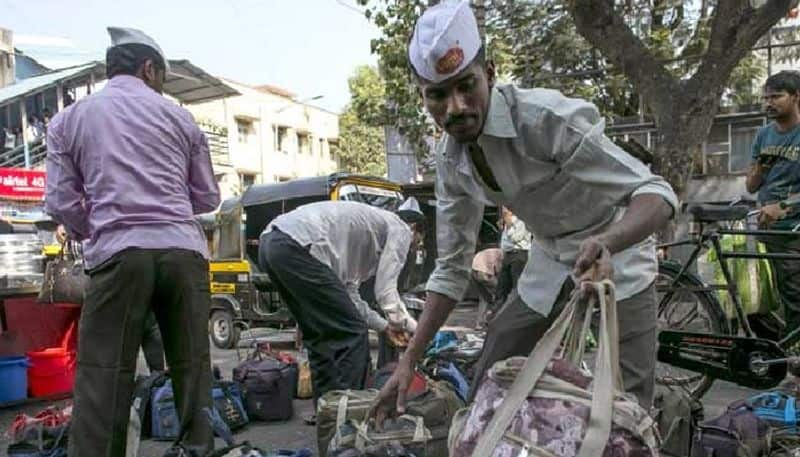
(60,97)
(23,112)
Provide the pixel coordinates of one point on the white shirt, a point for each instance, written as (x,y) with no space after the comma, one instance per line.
(516,236)
(559,174)
(356,241)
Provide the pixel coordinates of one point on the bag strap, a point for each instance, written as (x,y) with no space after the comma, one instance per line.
(341,412)
(607,376)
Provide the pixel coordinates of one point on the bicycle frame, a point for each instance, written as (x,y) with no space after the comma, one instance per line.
(701,241)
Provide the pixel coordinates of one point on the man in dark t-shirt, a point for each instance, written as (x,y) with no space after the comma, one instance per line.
(775,174)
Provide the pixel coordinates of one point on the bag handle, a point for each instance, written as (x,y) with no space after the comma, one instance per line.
(362,431)
(606,378)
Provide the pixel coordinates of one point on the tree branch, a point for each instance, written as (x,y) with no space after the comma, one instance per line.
(735,28)
(601,25)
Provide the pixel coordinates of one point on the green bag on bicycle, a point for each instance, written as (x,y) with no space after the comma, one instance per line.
(753,278)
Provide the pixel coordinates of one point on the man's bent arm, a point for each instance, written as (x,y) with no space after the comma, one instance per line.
(755,177)
(64,198)
(437,309)
(646,213)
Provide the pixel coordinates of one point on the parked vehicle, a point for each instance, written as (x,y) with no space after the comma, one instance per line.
(242,297)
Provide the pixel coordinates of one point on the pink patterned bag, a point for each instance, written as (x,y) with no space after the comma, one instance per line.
(546,406)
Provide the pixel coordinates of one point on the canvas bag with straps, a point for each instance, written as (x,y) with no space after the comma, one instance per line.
(359,435)
(571,327)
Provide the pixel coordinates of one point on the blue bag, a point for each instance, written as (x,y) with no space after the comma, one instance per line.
(229,402)
(447,371)
(165,424)
(778,408)
(443,340)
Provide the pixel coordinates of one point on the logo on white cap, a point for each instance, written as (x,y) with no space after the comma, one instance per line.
(450,61)
(445,40)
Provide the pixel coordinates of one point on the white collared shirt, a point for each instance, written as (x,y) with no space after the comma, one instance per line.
(558,173)
(356,241)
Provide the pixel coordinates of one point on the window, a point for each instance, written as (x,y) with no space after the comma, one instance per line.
(322,147)
(245,129)
(373,196)
(246,180)
(332,145)
(283,132)
(303,143)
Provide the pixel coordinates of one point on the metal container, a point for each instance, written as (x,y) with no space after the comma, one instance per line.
(21,254)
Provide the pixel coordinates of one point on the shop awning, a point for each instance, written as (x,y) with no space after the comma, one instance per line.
(186,82)
(190,84)
(31,86)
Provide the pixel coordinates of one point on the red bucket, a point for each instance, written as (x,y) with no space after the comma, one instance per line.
(52,370)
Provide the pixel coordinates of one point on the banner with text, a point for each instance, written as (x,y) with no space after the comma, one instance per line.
(22,184)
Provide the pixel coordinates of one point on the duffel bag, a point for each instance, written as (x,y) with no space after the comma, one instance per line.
(777,408)
(543,405)
(406,436)
(269,387)
(739,432)
(164,423)
(785,442)
(337,407)
(437,406)
(229,402)
(677,414)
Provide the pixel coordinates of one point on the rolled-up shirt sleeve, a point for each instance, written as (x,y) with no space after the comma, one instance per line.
(390,264)
(584,152)
(203,187)
(64,192)
(458,219)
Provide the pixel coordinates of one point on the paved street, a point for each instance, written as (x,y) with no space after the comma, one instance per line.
(295,434)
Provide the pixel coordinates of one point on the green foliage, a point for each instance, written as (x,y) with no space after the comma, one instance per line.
(403,108)
(535,43)
(361,143)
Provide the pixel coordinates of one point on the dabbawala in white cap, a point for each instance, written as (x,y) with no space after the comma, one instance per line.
(122,35)
(445,40)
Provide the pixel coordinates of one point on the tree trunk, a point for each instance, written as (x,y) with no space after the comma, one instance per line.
(681,130)
(684,109)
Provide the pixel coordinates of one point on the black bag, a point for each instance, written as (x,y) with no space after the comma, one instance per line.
(229,402)
(64,277)
(737,433)
(269,386)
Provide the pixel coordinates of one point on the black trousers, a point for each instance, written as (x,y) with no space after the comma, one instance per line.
(516,329)
(334,332)
(513,264)
(173,283)
(153,344)
(787,277)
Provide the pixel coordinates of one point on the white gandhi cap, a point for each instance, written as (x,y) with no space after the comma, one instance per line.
(122,35)
(445,40)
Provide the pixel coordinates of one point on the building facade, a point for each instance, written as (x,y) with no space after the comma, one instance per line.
(269,135)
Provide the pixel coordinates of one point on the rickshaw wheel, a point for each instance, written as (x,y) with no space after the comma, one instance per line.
(224,333)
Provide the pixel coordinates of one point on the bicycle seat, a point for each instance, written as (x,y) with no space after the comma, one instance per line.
(705,212)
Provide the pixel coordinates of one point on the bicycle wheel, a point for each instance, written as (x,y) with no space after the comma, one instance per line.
(681,308)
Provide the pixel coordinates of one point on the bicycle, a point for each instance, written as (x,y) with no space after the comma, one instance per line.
(694,331)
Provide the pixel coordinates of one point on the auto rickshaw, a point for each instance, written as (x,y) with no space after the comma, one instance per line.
(242,296)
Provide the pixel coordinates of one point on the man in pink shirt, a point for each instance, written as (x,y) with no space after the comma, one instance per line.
(127,171)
